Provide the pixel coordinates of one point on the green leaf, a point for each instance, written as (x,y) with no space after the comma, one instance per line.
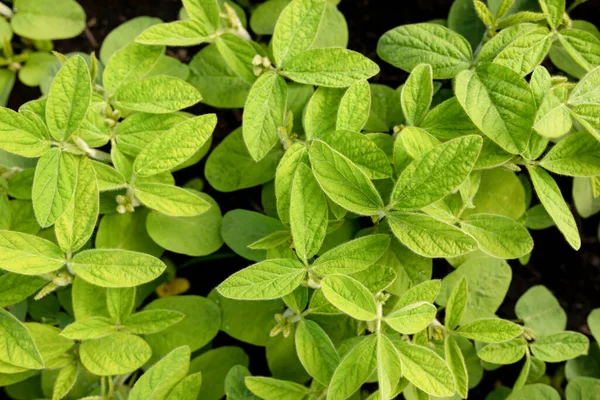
(350,296)
(107,177)
(296,29)
(535,391)
(552,199)
(53,185)
(214,365)
(28,254)
(319,118)
(498,236)
(386,111)
(456,363)
(407,46)
(69,98)
(61,19)
(554,10)
(76,225)
(131,63)
(352,256)
(457,302)
(343,181)
(417,93)
(316,351)
(353,111)
(582,46)
(235,385)
(426,291)
(500,103)
(581,387)
(170,200)
(593,321)
(526,52)
(587,90)
(354,370)
(188,388)
(560,346)
(151,321)
(16,287)
(89,328)
(412,318)
(120,302)
(157,95)
(115,354)
(504,353)
(491,330)
(65,381)
(425,369)
(296,155)
(463,19)
(576,155)
(50,344)
(175,146)
(265,280)
(238,53)
(553,118)
(189,32)
(308,213)
(436,173)
(88,300)
(484,13)
(271,241)
(430,237)
(270,388)
(264,114)
(329,67)
(21,136)
(116,268)
(124,34)
(18,347)
(158,381)
(389,369)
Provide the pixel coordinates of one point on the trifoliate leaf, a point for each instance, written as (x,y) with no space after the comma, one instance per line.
(430,237)
(526,52)
(353,256)
(329,67)
(582,46)
(560,346)
(316,351)
(89,328)
(353,111)
(135,132)
(158,381)
(554,10)
(406,46)
(264,114)
(552,199)
(115,354)
(350,296)
(504,353)
(120,302)
(129,64)
(576,155)
(416,94)
(116,268)
(448,120)
(491,330)
(157,95)
(265,280)
(500,103)
(28,254)
(412,318)
(170,200)
(354,370)
(18,347)
(21,136)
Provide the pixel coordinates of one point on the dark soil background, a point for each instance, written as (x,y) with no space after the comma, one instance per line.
(574,277)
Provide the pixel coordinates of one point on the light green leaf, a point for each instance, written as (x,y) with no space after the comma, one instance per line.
(350,296)
(157,95)
(264,114)
(50,344)
(89,328)
(16,287)
(500,103)
(131,63)
(265,280)
(116,268)
(170,200)
(386,111)
(88,300)
(188,388)
(352,256)
(535,391)
(354,370)
(426,291)
(554,10)
(308,213)
(67,377)
(53,185)
(448,120)
(18,347)
(389,369)
(319,117)
(76,225)
(235,385)
(430,237)
(158,381)
(560,346)
(107,177)
(587,90)
(353,111)
(241,228)
(124,34)
(61,19)
(238,53)
(425,369)
(120,302)
(271,241)
(316,351)
(457,302)
(329,67)
(189,32)
(456,363)
(271,389)
(296,29)
(296,155)
(412,318)
(491,330)
(407,46)
(526,52)
(175,146)
(498,236)
(115,354)
(553,118)
(28,254)
(128,232)
(151,321)
(576,155)
(214,365)
(417,93)
(69,98)
(593,321)
(504,353)
(581,388)
(582,46)
(436,173)
(19,135)
(343,181)
(552,199)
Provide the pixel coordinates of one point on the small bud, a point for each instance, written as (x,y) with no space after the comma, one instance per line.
(257,60)
(266,62)
(121,209)
(121,199)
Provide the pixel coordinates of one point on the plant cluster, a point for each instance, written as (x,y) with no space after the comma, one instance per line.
(363,185)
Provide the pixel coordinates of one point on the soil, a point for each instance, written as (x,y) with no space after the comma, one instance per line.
(574,277)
